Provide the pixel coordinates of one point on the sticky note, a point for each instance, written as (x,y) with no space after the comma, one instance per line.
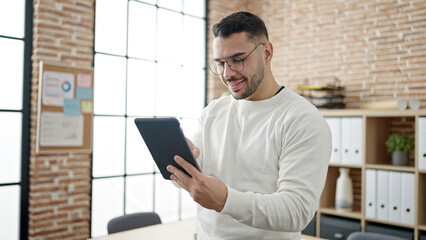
(83,93)
(86,106)
(84,80)
(71,106)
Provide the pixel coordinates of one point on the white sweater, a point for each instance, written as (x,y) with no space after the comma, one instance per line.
(273,156)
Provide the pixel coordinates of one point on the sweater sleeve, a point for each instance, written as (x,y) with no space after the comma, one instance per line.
(303,165)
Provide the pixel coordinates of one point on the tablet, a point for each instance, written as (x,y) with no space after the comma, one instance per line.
(165,139)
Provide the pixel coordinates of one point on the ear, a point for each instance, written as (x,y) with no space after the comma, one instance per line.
(269,51)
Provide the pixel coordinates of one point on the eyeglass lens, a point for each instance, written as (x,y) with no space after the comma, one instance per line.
(236,64)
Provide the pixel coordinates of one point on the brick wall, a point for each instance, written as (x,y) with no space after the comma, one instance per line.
(376,48)
(59,205)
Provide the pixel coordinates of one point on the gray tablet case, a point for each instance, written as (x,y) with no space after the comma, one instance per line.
(165,139)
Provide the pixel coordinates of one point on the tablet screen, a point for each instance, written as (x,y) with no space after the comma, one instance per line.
(165,139)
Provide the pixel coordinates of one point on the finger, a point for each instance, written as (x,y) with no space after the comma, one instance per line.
(191,170)
(171,168)
(181,178)
(176,180)
(177,173)
(195,150)
(190,143)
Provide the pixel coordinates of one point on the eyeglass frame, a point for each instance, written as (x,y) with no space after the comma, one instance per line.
(231,57)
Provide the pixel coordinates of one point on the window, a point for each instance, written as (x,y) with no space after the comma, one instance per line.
(149,61)
(15,66)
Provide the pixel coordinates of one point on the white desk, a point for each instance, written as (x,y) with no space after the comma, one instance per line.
(182,230)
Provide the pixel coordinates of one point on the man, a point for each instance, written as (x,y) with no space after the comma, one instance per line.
(263,151)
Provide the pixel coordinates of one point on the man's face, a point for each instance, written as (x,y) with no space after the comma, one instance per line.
(244,83)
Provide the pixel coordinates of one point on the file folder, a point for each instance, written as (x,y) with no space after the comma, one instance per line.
(335,127)
(407,210)
(346,138)
(382,187)
(395,196)
(370,193)
(356,141)
(351,137)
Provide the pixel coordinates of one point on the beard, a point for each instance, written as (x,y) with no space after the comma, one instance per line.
(252,83)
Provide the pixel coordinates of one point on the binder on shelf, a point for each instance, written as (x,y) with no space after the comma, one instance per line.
(382,187)
(335,127)
(351,140)
(370,193)
(395,196)
(407,186)
(346,138)
(356,142)
(422,143)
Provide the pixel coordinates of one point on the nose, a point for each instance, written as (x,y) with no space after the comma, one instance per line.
(227,71)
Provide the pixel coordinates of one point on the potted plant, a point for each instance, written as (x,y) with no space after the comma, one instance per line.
(400,146)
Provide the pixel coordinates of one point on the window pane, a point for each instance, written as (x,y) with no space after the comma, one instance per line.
(138,157)
(10,147)
(142,30)
(171,4)
(140,88)
(169,36)
(166,199)
(169,86)
(9,212)
(194,7)
(166,79)
(188,206)
(110,85)
(108,146)
(110,26)
(12,12)
(192,94)
(139,193)
(194,42)
(107,203)
(11,68)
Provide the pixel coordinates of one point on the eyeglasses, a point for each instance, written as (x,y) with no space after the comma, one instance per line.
(235,63)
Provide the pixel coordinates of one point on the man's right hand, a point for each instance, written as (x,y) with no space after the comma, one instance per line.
(207,190)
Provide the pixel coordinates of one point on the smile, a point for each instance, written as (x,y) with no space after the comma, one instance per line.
(236,84)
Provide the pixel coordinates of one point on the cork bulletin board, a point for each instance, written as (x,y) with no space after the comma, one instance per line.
(65,109)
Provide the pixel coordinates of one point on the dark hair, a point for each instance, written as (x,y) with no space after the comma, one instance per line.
(241,22)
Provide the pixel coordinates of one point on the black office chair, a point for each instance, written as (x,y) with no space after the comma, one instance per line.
(371,236)
(132,221)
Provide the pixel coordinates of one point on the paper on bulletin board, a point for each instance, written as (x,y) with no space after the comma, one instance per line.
(71,107)
(84,80)
(58,129)
(83,93)
(86,106)
(56,87)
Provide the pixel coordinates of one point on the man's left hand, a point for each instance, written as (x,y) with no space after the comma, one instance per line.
(207,190)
